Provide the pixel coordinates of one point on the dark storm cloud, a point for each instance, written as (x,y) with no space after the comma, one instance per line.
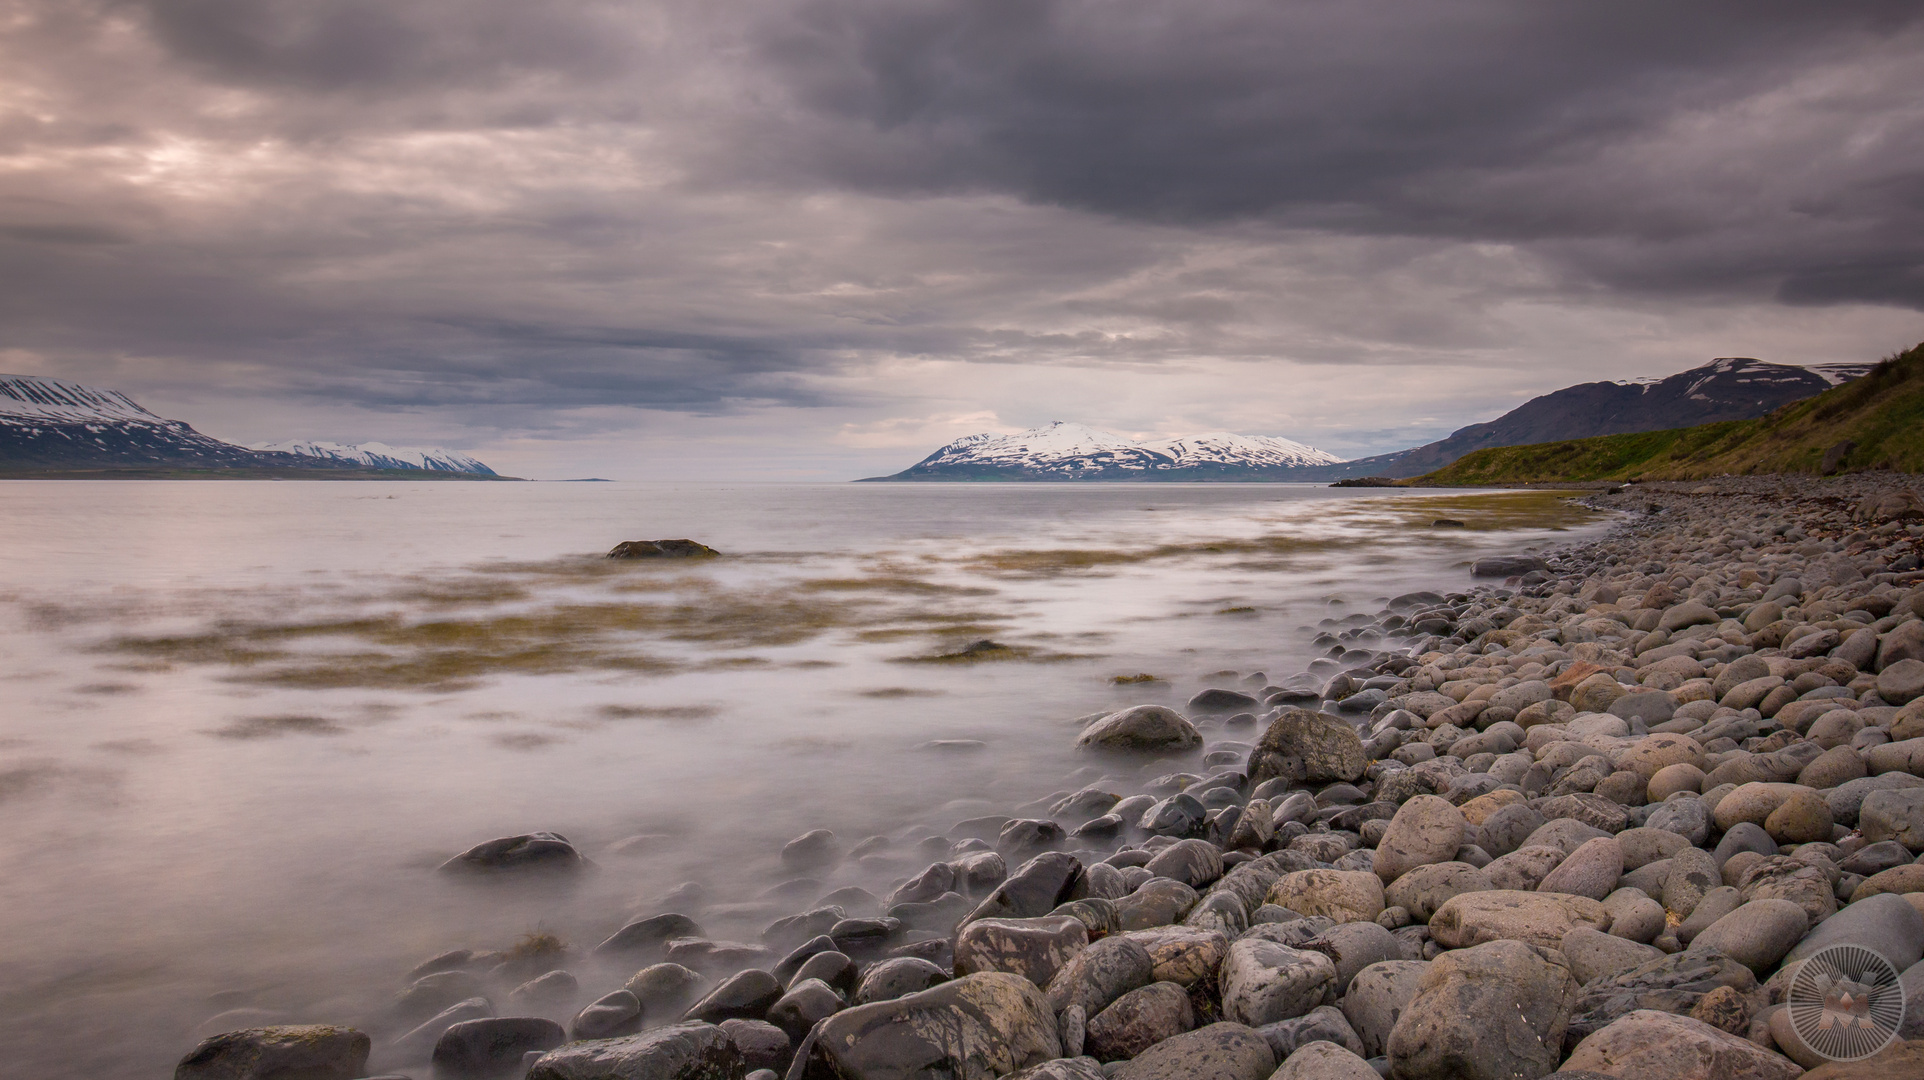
(489,204)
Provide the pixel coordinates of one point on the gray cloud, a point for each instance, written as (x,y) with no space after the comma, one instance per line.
(500,221)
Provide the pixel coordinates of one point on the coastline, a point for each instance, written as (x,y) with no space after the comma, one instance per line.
(1228,863)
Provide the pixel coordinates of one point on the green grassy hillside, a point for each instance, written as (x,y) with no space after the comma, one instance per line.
(1881,414)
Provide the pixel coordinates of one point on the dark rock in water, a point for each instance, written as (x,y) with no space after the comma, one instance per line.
(665,989)
(898,977)
(418,1044)
(610,1015)
(808,924)
(762,1045)
(833,968)
(1036,888)
(648,935)
(311,1052)
(541,851)
(1180,815)
(785,971)
(806,1002)
(746,995)
(811,850)
(978,873)
(661,549)
(1144,728)
(863,936)
(1195,863)
(1507,566)
(939,878)
(484,1049)
(1216,699)
(1106,827)
(1448,523)
(430,994)
(939,915)
(980,1026)
(682,1052)
(1026,836)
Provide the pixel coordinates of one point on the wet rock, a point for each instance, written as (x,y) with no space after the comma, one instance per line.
(418,1044)
(1195,863)
(1142,729)
(556,988)
(493,1047)
(648,936)
(974,1028)
(1036,888)
(539,852)
(661,549)
(762,1045)
(1308,748)
(309,1052)
(689,1051)
(665,989)
(1496,1010)
(896,978)
(1180,815)
(432,993)
(745,995)
(1138,1020)
(608,1017)
(1219,911)
(1032,948)
(805,1003)
(1096,915)
(1158,902)
(1222,1051)
(1263,982)
(1660,1046)
(811,851)
(1537,918)
(1095,977)
(1216,699)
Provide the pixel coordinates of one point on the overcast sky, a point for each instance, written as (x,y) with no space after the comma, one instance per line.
(814,239)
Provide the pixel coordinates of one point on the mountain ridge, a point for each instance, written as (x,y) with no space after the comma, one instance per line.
(1071,451)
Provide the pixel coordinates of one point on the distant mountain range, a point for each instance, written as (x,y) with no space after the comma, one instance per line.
(48,425)
(1064,451)
(1729,388)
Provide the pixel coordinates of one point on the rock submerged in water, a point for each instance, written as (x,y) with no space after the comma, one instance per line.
(1141,729)
(543,852)
(310,1052)
(661,549)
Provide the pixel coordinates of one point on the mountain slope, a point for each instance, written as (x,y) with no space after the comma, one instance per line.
(376,455)
(1067,451)
(1730,388)
(1874,422)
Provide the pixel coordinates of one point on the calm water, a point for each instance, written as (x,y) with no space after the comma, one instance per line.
(240,723)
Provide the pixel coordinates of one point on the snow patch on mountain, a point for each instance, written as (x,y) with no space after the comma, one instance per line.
(32,398)
(1226,448)
(376,455)
(1071,451)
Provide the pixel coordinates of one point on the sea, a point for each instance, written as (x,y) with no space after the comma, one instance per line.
(242,723)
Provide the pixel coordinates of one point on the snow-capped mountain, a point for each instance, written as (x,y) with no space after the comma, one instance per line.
(49,424)
(1068,451)
(376,455)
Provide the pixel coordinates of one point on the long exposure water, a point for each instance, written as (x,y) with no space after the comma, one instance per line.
(241,723)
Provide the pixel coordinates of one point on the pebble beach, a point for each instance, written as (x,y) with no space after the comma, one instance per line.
(1587,818)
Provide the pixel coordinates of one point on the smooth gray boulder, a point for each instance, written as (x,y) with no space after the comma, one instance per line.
(1377,997)
(310,1052)
(1886,923)
(690,1051)
(1222,1051)
(1098,975)
(1033,948)
(974,1028)
(1263,982)
(1141,729)
(1138,1020)
(1325,1061)
(1491,1012)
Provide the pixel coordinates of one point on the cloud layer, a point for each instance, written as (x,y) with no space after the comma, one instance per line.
(581,235)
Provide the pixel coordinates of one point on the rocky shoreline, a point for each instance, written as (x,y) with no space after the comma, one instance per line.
(1585,822)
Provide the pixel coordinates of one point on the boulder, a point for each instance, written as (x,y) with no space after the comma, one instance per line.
(493,1047)
(1491,1012)
(1885,923)
(539,852)
(1074,1068)
(1193,862)
(974,1028)
(1899,1059)
(1377,997)
(1537,918)
(1263,982)
(1675,983)
(1032,948)
(1036,888)
(1894,815)
(1222,1051)
(1308,748)
(692,1051)
(661,549)
(1652,1045)
(745,995)
(898,977)
(1181,954)
(1142,729)
(1591,870)
(1594,954)
(1324,1023)
(1343,895)
(305,1052)
(1426,829)
(1099,974)
(1157,902)
(608,1016)
(1324,1061)
(648,936)
(1422,890)
(1138,1020)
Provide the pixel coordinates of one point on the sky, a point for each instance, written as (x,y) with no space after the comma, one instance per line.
(815,239)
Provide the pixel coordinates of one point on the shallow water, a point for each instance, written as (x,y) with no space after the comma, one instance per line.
(241,723)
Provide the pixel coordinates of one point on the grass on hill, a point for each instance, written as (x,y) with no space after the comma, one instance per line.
(1881,415)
